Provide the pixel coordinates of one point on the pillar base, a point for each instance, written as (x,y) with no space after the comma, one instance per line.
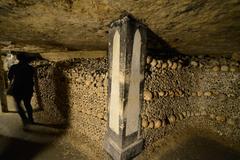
(123,153)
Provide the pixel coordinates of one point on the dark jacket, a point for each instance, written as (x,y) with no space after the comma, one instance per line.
(22,76)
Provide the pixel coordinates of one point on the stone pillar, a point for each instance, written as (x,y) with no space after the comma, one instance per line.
(127,45)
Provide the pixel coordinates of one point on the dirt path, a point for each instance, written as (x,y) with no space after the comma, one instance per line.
(37,142)
(41,142)
(192,144)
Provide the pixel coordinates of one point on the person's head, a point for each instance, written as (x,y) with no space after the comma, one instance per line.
(22,57)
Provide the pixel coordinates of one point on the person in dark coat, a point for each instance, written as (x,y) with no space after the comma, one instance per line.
(21,76)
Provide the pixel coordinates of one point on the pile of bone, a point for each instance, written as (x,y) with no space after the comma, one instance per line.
(87,89)
(215,66)
(172,119)
(149,95)
(92,79)
(196,64)
(201,93)
(89,126)
(97,80)
(211,94)
(89,103)
(169,120)
(161,64)
(225,68)
(96,112)
(46,88)
(223,119)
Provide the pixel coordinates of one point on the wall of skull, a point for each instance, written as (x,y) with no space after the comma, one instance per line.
(181,91)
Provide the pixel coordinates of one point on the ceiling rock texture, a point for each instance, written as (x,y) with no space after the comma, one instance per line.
(191,26)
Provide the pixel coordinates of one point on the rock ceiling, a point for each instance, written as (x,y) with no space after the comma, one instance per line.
(190,26)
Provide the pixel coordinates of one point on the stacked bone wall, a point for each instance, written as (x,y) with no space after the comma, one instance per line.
(181,91)
(73,94)
(200,92)
(51,94)
(88,92)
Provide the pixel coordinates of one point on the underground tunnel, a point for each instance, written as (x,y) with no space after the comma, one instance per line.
(123,79)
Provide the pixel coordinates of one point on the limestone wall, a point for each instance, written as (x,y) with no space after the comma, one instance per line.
(184,24)
(179,92)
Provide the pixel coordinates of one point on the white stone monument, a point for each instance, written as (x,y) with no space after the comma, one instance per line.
(127,46)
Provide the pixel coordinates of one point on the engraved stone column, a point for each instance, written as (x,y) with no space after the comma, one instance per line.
(127,45)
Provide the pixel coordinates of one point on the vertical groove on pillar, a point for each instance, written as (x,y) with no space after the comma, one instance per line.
(115,104)
(133,104)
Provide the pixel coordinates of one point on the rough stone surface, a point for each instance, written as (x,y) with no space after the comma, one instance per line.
(192,26)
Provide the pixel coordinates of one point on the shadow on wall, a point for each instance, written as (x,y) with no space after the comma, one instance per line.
(62,93)
(52,93)
(158,47)
(37,91)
